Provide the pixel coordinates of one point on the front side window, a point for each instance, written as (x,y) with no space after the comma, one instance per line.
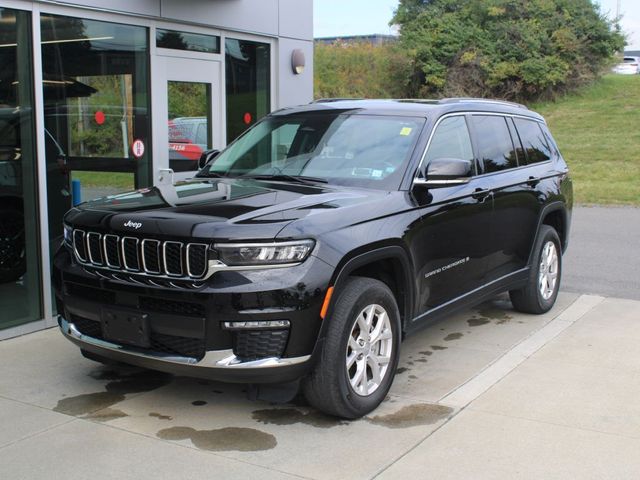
(533,141)
(450,140)
(358,150)
(495,147)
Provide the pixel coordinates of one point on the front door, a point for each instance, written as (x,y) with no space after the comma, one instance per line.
(187,115)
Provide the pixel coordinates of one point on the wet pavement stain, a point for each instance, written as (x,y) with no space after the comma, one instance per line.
(413,377)
(438,347)
(159,416)
(426,352)
(198,403)
(401,370)
(412,416)
(105,415)
(453,336)
(87,403)
(120,382)
(291,416)
(477,322)
(222,439)
(421,360)
(495,314)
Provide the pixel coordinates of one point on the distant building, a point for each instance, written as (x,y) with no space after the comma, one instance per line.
(374,39)
(632,53)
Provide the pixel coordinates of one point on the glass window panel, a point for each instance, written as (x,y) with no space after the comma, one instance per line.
(451,140)
(248,71)
(20,287)
(194,42)
(95,86)
(533,140)
(189,123)
(495,147)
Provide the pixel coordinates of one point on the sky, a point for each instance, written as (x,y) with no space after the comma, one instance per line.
(333,18)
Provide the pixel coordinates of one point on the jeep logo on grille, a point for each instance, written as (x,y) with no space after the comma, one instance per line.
(132,224)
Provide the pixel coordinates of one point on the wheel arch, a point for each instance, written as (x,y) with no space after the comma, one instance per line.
(554,215)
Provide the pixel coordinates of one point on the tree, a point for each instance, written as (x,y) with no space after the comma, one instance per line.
(512,49)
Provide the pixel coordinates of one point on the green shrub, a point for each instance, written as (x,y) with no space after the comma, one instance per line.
(513,49)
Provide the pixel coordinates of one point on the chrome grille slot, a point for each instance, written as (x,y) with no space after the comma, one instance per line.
(151,256)
(173,258)
(94,248)
(79,247)
(130,256)
(196,260)
(142,256)
(111,251)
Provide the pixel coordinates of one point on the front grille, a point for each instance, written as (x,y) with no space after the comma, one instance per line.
(169,259)
(256,344)
(187,309)
(168,344)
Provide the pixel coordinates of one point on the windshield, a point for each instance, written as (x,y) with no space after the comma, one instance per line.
(358,150)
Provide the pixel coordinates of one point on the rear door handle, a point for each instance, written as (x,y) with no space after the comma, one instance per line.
(481,193)
(533,181)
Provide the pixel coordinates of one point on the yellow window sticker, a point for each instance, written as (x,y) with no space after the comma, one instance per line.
(406,131)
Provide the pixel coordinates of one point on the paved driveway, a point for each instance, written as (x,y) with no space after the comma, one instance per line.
(487,394)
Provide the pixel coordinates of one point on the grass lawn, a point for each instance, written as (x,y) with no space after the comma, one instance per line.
(117,180)
(598,132)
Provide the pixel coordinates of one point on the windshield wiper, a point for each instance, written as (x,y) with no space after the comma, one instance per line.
(209,175)
(288,178)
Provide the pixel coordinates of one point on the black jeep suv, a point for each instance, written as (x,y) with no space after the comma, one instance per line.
(315,242)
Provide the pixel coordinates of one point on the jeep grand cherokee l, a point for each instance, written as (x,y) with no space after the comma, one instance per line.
(316,241)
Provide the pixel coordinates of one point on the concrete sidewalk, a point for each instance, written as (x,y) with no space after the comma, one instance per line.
(486,394)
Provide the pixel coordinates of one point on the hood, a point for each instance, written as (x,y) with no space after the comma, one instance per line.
(221,209)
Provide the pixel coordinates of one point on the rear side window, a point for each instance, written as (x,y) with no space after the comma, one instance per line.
(450,140)
(533,141)
(495,147)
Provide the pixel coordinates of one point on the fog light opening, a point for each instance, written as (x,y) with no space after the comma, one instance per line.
(256,325)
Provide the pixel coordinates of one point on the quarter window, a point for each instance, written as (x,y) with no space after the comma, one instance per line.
(533,141)
(495,147)
(451,140)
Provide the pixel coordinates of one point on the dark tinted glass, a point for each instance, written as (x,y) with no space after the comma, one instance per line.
(450,140)
(533,140)
(247,72)
(194,42)
(495,147)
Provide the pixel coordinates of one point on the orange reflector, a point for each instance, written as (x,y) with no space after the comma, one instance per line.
(325,305)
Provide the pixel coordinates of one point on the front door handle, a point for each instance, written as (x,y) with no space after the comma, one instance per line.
(533,181)
(481,193)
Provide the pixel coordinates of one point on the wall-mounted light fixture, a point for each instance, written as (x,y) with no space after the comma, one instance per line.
(297,61)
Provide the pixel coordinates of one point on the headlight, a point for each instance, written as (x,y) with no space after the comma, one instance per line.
(68,235)
(255,254)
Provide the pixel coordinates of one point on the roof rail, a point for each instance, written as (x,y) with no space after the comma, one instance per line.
(482,100)
(329,100)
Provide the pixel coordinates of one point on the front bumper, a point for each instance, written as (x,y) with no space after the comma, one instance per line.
(187,332)
(220,365)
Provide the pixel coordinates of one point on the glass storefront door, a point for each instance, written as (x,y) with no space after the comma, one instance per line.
(96,109)
(20,299)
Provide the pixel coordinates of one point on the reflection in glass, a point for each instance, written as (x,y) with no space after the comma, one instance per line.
(189,123)
(248,84)
(19,259)
(194,42)
(95,85)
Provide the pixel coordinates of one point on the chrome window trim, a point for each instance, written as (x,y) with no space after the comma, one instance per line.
(164,258)
(206,252)
(144,261)
(106,255)
(124,257)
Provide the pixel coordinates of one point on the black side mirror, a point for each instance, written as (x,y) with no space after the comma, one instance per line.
(206,157)
(446,172)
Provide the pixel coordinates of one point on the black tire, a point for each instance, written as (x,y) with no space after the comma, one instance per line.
(530,299)
(328,387)
(13,263)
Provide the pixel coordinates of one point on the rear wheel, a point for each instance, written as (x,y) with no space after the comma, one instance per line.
(541,291)
(360,352)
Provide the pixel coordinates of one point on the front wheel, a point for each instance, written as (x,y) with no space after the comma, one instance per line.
(360,352)
(540,293)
